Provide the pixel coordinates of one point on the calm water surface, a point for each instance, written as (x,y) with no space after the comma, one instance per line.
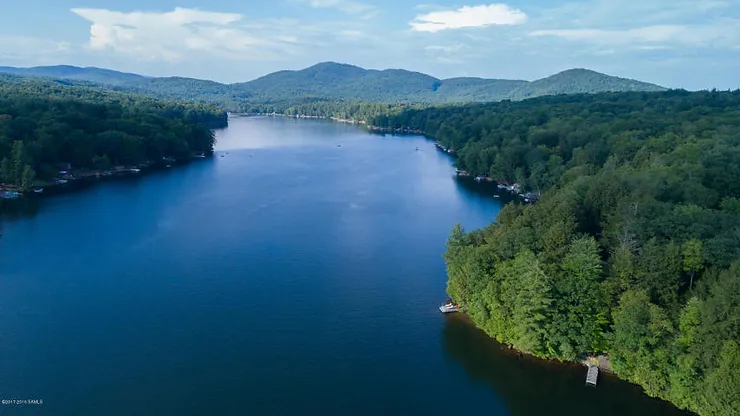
(290,276)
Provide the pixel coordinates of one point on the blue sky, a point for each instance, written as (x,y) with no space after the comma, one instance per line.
(691,44)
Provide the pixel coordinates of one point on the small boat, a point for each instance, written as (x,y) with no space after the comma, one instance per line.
(10,194)
(339,145)
(449,307)
(38,190)
(417,148)
(169,166)
(497,196)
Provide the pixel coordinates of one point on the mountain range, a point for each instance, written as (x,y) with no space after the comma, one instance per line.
(335,81)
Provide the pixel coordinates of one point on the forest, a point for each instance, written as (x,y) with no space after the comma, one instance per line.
(340,82)
(44,124)
(344,110)
(633,250)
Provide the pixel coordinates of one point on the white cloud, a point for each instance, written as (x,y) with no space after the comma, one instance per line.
(22,50)
(719,34)
(468,16)
(644,34)
(172,36)
(449,49)
(364,10)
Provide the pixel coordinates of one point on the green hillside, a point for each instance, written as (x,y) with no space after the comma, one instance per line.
(98,75)
(342,82)
(579,81)
(633,248)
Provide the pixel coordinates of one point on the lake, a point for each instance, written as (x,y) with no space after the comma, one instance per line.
(298,271)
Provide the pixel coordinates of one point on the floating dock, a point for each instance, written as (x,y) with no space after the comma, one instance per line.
(592,375)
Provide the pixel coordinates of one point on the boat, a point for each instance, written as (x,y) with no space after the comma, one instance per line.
(449,307)
(38,190)
(497,196)
(10,194)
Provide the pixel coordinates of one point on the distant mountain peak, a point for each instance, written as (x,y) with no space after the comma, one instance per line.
(329,64)
(331,80)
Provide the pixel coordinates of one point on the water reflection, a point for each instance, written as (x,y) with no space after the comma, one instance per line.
(18,208)
(535,387)
(487,189)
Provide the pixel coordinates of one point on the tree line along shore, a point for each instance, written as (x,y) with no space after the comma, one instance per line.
(632,253)
(52,134)
(632,250)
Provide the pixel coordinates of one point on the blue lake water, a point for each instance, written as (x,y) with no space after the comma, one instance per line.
(285,275)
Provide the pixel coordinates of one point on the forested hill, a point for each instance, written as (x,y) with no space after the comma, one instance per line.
(92,74)
(334,81)
(204,114)
(634,248)
(44,124)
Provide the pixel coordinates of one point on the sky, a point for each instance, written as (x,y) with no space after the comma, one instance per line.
(692,44)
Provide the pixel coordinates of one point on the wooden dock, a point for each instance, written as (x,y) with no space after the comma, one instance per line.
(592,375)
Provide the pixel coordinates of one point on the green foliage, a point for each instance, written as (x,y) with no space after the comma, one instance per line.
(632,249)
(42,88)
(641,332)
(43,125)
(692,258)
(531,302)
(580,321)
(329,81)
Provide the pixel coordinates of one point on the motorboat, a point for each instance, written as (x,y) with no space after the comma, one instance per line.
(449,307)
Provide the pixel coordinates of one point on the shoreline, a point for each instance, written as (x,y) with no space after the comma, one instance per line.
(71,181)
(404,130)
(603,360)
(514,189)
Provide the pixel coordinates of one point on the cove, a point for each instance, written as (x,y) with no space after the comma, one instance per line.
(285,275)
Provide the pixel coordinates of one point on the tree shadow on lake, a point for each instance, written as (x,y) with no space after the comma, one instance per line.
(484,189)
(529,386)
(18,208)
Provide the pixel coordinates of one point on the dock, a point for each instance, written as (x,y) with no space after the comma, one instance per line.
(592,375)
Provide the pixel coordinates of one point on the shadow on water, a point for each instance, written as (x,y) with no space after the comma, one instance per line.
(531,386)
(487,189)
(18,208)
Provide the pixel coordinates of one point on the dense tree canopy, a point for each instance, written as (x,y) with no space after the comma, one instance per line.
(633,249)
(44,125)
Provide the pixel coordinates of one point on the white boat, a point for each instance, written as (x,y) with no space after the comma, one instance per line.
(39,190)
(449,307)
